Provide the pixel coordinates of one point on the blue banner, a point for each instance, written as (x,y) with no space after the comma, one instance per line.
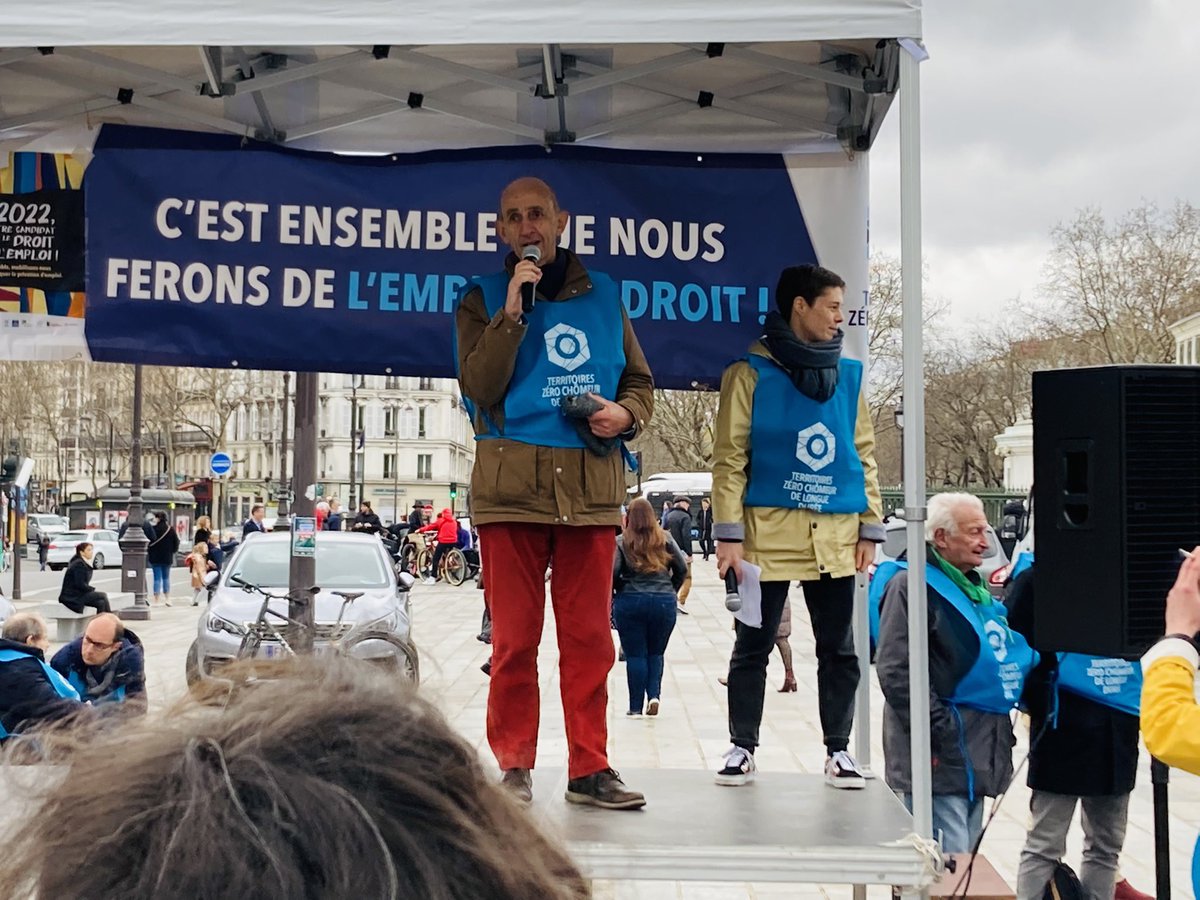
(208,254)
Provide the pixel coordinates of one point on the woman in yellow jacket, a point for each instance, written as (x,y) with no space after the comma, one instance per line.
(1170,714)
(804,506)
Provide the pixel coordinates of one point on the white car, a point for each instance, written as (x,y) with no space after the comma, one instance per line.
(107,552)
(37,524)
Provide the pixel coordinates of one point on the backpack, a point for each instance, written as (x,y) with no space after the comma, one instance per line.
(1063,885)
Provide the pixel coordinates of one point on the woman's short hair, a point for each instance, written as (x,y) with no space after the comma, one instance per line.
(81,546)
(320,780)
(204,522)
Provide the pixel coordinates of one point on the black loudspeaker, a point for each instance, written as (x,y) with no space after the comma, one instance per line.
(1116,460)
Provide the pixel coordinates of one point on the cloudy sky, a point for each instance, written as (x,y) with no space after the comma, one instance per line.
(1031,110)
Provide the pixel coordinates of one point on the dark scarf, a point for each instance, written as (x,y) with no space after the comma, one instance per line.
(813,368)
(100,678)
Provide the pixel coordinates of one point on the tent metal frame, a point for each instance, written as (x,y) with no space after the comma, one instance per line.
(560,79)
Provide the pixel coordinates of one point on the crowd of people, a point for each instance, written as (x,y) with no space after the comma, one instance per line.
(354,785)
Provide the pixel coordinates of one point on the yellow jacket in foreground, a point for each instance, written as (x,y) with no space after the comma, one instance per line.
(789,544)
(1170,715)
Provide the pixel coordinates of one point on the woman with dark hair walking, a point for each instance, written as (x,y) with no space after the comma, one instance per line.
(647,571)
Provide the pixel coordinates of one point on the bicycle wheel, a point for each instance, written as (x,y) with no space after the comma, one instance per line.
(408,559)
(424,562)
(454,564)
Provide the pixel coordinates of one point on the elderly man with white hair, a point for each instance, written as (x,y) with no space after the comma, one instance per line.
(977,667)
(31,692)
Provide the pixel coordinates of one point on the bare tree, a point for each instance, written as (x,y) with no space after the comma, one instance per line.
(683,429)
(1114,288)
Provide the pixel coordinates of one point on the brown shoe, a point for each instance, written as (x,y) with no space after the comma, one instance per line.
(604,789)
(519,783)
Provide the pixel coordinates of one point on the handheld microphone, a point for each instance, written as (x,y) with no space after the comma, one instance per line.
(527,289)
(733,600)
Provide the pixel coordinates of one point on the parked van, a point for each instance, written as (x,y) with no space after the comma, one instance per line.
(662,488)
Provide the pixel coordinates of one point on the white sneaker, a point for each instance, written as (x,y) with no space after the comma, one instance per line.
(841,771)
(739,767)
(652,707)
(429,581)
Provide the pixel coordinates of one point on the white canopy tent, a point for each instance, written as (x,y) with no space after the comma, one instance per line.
(380,76)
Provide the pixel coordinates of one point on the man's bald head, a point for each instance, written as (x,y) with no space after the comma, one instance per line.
(107,627)
(529,184)
(529,215)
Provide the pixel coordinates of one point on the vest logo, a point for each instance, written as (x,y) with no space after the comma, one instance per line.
(997,639)
(816,446)
(567,347)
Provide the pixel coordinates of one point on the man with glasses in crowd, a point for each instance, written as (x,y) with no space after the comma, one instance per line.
(105,665)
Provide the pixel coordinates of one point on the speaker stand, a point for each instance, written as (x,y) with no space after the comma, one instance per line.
(1159,775)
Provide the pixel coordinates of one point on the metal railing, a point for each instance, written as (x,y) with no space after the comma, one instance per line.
(993,499)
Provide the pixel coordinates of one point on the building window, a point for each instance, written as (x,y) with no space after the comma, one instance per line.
(391,383)
(389,465)
(389,421)
(421,423)
(425,384)
(424,466)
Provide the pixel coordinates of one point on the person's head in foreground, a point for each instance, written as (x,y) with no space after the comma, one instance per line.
(330,781)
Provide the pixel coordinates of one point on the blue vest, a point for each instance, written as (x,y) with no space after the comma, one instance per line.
(1115,683)
(994,682)
(879,582)
(802,453)
(574,346)
(77,682)
(60,685)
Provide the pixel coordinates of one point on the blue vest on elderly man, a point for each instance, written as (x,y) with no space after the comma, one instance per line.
(995,680)
(574,346)
(803,454)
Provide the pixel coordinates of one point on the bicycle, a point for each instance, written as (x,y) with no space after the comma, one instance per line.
(261,637)
(263,629)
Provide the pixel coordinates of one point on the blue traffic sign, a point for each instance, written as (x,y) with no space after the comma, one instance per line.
(220,463)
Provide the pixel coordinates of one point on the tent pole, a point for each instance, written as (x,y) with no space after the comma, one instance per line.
(914,437)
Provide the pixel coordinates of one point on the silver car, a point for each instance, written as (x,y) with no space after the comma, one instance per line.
(375,626)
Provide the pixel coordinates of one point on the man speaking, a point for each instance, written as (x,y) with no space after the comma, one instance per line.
(546,490)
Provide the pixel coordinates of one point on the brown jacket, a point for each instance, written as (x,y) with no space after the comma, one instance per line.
(516,482)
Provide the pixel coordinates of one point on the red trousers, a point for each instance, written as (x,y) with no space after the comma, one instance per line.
(515,557)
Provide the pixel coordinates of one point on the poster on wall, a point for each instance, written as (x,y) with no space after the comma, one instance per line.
(91,518)
(202,253)
(41,256)
(111,522)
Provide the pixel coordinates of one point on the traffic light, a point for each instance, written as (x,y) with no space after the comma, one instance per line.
(454,490)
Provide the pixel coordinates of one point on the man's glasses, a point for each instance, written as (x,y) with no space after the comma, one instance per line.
(99,645)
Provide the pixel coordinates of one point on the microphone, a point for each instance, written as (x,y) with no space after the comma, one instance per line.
(733,600)
(527,289)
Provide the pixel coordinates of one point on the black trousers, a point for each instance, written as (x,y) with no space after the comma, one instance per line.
(98,599)
(830,604)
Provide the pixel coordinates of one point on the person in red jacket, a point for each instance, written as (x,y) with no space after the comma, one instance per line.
(446,526)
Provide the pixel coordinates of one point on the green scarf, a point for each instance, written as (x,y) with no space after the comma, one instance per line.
(978,593)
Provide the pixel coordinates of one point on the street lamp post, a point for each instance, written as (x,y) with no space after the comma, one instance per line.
(353,432)
(135,542)
(898,413)
(284,484)
(396,464)
(302,570)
